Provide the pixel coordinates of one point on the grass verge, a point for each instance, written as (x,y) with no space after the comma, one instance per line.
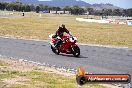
(36,77)
(34,26)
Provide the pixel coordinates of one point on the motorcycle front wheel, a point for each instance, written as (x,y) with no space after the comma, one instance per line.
(76,51)
(56,51)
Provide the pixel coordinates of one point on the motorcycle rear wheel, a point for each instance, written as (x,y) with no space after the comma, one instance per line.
(56,51)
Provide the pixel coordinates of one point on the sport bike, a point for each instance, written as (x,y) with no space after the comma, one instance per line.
(68,45)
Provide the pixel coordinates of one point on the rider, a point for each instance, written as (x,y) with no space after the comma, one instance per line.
(60,33)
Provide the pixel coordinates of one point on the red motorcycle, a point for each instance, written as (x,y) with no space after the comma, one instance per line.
(68,45)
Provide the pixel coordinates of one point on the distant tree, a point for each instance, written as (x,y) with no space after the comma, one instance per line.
(124,12)
(129,12)
(9,7)
(76,10)
(109,12)
(41,6)
(90,10)
(17,6)
(23,8)
(117,12)
(27,8)
(20,8)
(46,8)
(37,9)
(104,14)
(58,9)
(2,6)
(98,12)
(53,8)
(14,6)
(67,8)
(81,11)
(32,7)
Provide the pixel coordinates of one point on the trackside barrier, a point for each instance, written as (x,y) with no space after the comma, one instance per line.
(92,20)
(109,21)
(129,22)
(118,22)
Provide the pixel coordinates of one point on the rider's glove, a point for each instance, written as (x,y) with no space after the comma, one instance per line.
(54,36)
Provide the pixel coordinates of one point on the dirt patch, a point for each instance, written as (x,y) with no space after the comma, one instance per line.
(2,85)
(25,66)
(16,80)
(19,65)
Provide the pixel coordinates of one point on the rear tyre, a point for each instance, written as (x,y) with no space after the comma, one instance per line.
(76,51)
(56,51)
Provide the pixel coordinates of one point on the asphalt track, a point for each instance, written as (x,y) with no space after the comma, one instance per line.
(93,59)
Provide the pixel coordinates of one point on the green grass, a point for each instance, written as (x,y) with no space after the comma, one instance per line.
(46,80)
(32,26)
(8,74)
(2,63)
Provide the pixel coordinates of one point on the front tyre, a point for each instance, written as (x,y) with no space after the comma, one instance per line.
(56,51)
(76,51)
